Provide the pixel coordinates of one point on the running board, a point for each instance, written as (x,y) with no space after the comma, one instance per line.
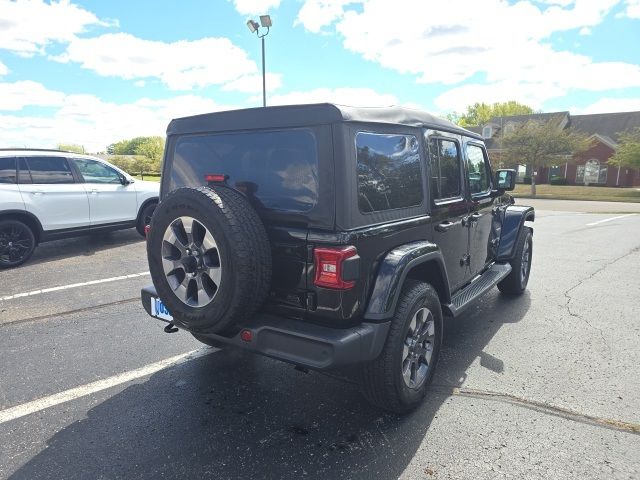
(478,287)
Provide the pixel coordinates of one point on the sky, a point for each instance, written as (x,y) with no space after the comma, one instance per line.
(93,72)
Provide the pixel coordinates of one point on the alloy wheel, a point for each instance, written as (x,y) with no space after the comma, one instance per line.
(191,261)
(15,243)
(418,348)
(524,264)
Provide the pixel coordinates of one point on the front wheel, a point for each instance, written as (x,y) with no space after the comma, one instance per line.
(516,282)
(397,380)
(17,243)
(145,218)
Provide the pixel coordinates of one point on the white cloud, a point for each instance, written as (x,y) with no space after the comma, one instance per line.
(88,120)
(181,65)
(317,14)
(633,9)
(253,83)
(28,26)
(356,97)
(15,96)
(505,43)
(3,69)
(255,7)
(610,105)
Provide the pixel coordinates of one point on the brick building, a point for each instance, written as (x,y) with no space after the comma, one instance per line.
(588,168)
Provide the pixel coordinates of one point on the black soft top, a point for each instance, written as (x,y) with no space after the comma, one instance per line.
(306,115)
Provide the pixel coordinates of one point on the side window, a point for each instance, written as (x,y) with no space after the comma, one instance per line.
(50,170)
(445,168)
(96,172)
(389,171)
(478,171)
(24,176)
(7,169)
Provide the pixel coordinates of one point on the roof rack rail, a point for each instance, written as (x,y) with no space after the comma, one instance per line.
(22,149)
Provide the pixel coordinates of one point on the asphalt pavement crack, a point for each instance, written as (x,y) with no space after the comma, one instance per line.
(569,298)
(541,407)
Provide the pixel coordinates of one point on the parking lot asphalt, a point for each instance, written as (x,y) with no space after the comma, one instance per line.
(542,386)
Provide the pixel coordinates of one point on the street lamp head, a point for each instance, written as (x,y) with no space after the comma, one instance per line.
(253,26)
(265,21)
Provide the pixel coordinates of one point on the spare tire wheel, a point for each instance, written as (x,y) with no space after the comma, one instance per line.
(209,257)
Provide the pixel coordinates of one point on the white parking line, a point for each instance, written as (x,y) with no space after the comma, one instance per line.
(73,285)
(609,219)
(90,388)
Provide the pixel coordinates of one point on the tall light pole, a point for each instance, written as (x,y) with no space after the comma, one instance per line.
(254,27)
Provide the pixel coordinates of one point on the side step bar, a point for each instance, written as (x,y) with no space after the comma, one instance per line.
(478,287)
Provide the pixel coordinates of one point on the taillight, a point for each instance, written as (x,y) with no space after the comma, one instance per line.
(329,266)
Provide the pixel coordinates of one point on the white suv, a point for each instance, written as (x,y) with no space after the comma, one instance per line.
(49,194)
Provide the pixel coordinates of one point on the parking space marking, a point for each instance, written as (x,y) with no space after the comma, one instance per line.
(82,391)
(73,285)
(609,219)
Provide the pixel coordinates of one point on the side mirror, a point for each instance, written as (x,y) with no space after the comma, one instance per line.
(506,179)
(124,180)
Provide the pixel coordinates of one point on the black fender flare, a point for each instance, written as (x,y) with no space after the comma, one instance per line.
(512,222)
(28,215)
(393,271)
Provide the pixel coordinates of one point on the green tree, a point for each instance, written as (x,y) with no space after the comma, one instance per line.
(71,147)
(628,151)
(152,148)
(480,113)
(538,144)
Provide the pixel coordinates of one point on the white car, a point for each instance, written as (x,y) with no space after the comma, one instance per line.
(49,194)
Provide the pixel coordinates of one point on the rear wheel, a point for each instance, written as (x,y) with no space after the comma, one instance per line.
(516,282)
(17,243)
(397,380)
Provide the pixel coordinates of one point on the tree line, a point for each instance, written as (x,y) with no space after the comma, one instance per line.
(137,156)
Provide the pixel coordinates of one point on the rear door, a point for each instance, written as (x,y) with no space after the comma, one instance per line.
(449,204)
(481,244)
(109,200)
(52,193)
(10,197)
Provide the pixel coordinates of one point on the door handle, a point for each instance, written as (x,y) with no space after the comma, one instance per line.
(471,219)
(38,192)
(94,191)
(444,226)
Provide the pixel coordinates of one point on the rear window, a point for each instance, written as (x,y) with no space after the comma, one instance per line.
(279,169)
(7,170)
(389,172)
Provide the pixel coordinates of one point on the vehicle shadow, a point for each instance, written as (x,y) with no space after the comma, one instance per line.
(234,415)
(85,245)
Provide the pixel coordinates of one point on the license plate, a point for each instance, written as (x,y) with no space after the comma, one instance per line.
(159,310)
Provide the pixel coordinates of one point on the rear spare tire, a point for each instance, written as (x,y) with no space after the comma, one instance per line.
(209,257)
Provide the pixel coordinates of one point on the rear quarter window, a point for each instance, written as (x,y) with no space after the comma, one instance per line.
(389,171)
(276,169)
(7,170)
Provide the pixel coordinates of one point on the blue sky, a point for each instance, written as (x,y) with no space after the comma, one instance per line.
(95,72)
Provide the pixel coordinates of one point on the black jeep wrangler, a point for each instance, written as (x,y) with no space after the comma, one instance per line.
(325,235)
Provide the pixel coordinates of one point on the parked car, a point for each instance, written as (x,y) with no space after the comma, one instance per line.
(326,236)
(49,194)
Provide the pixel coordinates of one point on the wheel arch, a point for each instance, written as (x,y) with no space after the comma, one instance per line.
(418,261)
(26,217)
(144,205)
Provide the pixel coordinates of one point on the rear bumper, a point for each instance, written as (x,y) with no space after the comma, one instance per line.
(301,343)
